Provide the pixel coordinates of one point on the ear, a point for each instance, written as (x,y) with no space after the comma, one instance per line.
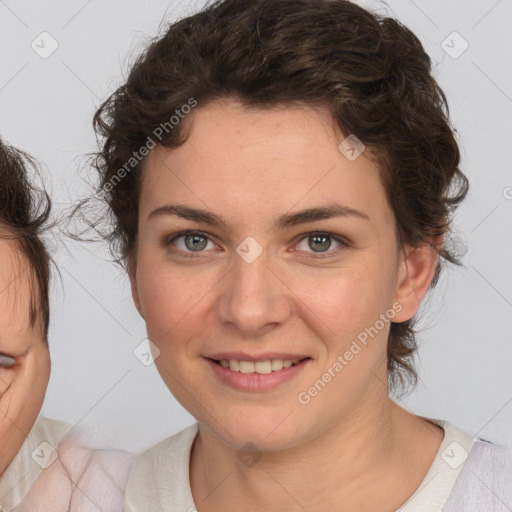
(416,271)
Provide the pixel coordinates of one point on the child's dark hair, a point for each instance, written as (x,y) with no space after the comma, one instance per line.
(24,212)
(370,71)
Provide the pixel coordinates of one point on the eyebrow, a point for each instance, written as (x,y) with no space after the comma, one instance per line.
(284,221)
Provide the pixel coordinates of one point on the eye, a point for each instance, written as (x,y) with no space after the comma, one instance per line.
(6,361)
(320,243)
(190,242)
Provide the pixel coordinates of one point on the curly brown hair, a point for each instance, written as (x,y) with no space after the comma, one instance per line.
(370,71)
(24,214)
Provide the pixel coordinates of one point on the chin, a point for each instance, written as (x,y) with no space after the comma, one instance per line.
(263,428)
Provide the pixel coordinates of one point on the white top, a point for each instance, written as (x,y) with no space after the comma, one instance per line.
(27,465)
(57,471)
(159,481)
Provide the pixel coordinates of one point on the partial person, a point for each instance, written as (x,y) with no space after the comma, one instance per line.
(27,441)
(45,465)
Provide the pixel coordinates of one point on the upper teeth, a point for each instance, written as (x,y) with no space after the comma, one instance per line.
(268,366)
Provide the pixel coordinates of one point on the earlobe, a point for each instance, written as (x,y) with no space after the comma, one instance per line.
(416,271)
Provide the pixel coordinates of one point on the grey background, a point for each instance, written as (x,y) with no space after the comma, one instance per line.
(46,108)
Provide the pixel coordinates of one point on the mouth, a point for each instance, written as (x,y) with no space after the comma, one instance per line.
(262,367)
(256,376)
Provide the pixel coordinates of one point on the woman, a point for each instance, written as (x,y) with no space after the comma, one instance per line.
(282,176)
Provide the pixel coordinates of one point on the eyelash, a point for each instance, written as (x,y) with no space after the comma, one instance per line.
(343,243)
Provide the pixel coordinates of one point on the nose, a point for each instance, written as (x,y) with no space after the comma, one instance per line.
(253,298)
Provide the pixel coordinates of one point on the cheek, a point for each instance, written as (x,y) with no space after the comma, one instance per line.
(345,301)
(172,299)
(37,373)
(6,378)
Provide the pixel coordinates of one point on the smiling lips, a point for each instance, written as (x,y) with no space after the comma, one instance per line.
(263,373)
(261,367)
(264,363)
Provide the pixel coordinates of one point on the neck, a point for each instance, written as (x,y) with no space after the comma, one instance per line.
(371,453)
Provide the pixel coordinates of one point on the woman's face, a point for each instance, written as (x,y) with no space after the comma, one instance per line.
(251,288)
(22,385)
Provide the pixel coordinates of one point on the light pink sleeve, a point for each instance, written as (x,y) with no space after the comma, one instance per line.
(80,479)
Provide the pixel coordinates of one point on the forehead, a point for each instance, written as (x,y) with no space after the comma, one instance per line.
(251,162)
(15,292)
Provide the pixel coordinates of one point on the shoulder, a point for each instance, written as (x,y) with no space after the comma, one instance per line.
(492,461)
(41,444)
(162,471)
(485,481)
(42,441)
(49,430)
(37,452)
(73,467)
(170,450)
